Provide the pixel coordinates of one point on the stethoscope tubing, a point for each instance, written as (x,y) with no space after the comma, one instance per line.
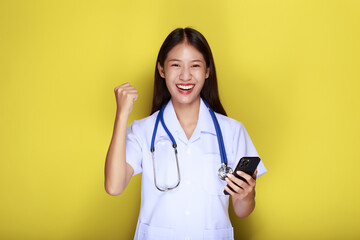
(160,118)
(218,134)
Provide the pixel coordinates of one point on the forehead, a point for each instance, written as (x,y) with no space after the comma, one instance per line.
(184,52)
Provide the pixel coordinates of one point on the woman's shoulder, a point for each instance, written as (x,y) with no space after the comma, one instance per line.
(228,121)
(144,123)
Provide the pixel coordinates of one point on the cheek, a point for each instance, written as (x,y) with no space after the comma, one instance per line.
(200,73)
(171,74)
(200,76)
(169,84)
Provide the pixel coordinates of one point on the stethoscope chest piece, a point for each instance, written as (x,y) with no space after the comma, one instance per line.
(223,171)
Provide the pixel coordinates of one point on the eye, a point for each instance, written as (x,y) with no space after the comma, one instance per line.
(175,65)
(196,65)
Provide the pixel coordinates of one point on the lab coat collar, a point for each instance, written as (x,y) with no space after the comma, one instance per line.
(171,119)
(204,124)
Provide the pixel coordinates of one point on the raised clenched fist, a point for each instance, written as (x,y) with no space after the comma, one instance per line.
(125,95)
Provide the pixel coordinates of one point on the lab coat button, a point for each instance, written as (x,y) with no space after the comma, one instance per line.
(188,151)
(187,238)
(187,212)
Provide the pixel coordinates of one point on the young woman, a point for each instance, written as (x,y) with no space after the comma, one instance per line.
(178,148)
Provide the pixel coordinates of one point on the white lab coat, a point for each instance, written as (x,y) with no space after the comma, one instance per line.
(197,208)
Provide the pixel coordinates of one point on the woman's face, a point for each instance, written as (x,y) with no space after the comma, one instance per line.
(185,72)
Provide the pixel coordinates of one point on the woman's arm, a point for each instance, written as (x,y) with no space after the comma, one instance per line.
(117,172)
(243,197)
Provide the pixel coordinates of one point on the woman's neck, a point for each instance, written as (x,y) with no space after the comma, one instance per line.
(187,115)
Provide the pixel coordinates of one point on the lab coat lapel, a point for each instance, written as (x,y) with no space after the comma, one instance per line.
(209,143)
(204,124)
(172,123)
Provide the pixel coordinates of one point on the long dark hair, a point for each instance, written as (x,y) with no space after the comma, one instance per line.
(209,91)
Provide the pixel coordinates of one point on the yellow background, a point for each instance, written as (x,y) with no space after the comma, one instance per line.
(289,70)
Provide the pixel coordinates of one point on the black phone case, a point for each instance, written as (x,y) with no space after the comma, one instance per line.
(247,165)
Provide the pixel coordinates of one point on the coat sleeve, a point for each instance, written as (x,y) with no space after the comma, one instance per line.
(133,148)
(245,147)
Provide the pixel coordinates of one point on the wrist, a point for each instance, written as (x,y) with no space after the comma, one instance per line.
(248,200)
(121,118)
(244,207)
(122,114)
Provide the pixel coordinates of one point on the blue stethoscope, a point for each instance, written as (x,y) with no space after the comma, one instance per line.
(223,170)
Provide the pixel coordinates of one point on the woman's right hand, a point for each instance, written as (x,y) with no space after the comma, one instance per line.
(125,95)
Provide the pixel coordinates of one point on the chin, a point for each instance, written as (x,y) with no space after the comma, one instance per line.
(185,99)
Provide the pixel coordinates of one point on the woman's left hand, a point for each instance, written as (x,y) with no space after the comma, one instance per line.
(245,191)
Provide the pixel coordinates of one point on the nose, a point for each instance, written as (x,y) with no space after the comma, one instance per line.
(185,74)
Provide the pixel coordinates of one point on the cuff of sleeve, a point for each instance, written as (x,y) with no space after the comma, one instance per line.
(261,170)
(137,170)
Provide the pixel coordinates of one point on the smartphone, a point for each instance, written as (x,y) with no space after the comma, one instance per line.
(247,165)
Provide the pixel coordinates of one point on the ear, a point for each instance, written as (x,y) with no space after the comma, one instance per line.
(161,70)
(207,73)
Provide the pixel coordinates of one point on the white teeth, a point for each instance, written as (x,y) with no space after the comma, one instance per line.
(185,87)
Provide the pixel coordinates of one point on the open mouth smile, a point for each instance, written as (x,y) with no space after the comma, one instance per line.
(185,88)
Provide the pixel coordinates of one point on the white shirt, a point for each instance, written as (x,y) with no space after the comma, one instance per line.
(197,208)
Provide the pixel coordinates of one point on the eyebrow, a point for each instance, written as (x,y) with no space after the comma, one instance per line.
(178,60)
